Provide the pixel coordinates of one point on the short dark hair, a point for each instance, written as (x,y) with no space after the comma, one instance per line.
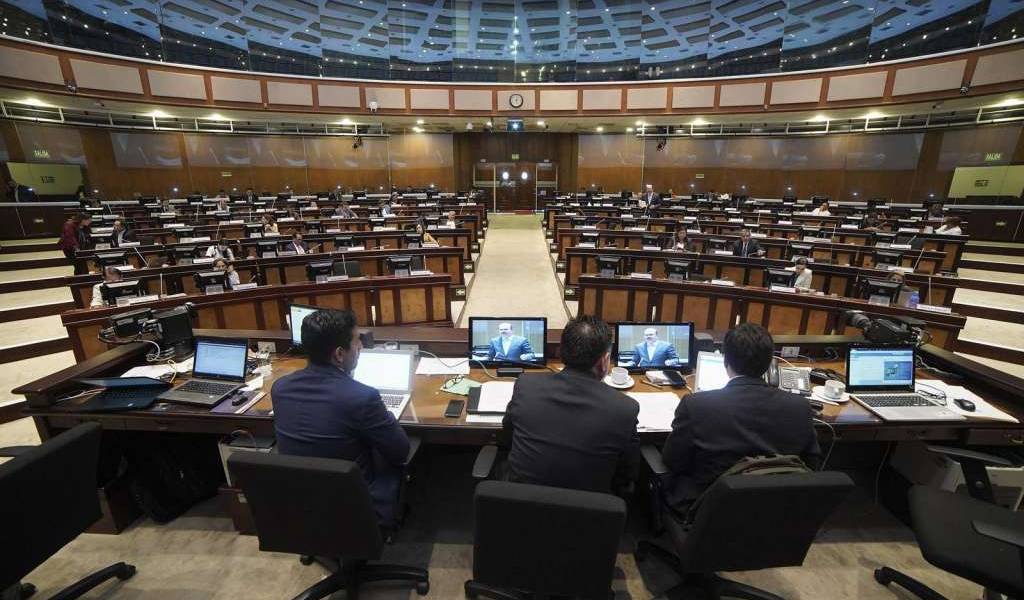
(326,330)
(585,339)
(748,349)
(800,260)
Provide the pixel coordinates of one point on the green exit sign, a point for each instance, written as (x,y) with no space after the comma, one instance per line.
(515,157)
(992,156)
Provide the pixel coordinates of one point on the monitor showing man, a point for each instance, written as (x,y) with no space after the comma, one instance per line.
(649,345)
(504,340)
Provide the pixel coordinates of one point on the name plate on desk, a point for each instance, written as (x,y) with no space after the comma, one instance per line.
(736,220)
(571,214)
(586,227)
(128,244)
(466,203)
(783,288)
(349,248)
(946,310)
(586,245)
(641,275)
(652,248)
(636,229)
(693,231)
(245,286)
(286,219)
(764,211)
(722,252)
(758,235)
(900,269)
(900,246)
(416,272)
(785,222)
(908,230)
(725,282)
(236,222)
(141,299)
(204,260)
(333,278)
(848,227)
(689,219)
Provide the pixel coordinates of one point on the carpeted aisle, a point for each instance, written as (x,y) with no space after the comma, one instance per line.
(514,276)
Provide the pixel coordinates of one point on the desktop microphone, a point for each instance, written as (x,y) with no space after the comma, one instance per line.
(162,283)
(145,263)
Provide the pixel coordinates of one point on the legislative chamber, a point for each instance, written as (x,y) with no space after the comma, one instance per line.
(512,300)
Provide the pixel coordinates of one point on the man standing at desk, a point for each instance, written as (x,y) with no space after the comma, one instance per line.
(713,430)
(507,346)
(653,352)
(746,245)
(322,411)
(650,198)
(569,429)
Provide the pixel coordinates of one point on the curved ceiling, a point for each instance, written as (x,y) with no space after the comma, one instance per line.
(505,40)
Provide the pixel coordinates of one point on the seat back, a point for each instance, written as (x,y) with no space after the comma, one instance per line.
(748,522)
(47,498)
(308,505)
(546,540)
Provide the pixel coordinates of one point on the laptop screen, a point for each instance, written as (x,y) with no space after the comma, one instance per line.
(298,312)
(888,368)
(385,369)
(711,373)
(220,359)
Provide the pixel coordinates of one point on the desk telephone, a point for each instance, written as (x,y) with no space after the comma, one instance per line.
(791,379)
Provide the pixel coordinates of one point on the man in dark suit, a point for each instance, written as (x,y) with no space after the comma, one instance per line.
(569,429)
(121,234)
(650,197)
(746,245)
(507,346)
(298,246)
(250,195)
(713,430)
(322,411)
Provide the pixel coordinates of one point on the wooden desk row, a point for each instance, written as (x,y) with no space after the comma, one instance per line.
(283,269)
(828,278)
(719,307)
(416,300)
(922,261)
(383,240)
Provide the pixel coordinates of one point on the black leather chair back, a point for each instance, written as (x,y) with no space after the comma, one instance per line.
(308,505)
(47,498)
(546,540)
(748,522)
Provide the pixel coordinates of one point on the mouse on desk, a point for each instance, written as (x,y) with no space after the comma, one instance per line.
(964,404)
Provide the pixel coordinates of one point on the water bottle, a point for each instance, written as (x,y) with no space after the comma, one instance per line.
(915,297)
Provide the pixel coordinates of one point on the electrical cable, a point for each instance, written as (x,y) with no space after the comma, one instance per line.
(832,443)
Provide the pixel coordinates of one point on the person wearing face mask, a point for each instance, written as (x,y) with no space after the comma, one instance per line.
(322,411)
(569,429)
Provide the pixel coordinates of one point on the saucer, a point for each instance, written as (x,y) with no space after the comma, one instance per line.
(818,393)
(624,386)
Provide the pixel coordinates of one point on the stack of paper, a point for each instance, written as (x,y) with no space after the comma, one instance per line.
(495,396)
(982,409)
(657,410)
(446,366)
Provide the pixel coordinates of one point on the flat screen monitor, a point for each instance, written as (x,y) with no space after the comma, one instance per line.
(320,268)
(517,341)
(779,277)
(208,279)
(400,266)
(120,289)
(296,313)
(111,259)
(609,266)
(677,270)
(887,258)
(879,291)
(642,346)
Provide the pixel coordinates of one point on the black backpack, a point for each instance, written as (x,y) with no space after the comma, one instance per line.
(173,475)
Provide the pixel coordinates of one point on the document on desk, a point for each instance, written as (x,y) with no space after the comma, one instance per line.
(485,419)
(160,370)
(442,366)
(495,396)
(982,409)
(657,409)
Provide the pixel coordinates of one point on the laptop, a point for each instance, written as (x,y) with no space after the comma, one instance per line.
(881,379)
(710,373)
(122,393)
(218,370)
(391,373)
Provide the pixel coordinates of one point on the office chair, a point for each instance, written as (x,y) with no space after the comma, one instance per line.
(318,507)
(967,535)
(743,523)
(47,498)
(538,541)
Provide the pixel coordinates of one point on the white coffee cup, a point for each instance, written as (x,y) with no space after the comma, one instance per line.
(834,389)
(620,376)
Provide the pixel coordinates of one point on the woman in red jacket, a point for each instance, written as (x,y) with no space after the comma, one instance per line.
(70,239)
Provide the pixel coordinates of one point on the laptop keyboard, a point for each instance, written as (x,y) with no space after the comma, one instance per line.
(392,401)
(209,388)
(894,400)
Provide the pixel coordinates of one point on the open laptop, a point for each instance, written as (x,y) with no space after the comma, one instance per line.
(390,372)
(710,373)
(218,371)
(881,379)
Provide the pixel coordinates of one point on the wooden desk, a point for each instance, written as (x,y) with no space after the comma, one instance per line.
(828,278)
(421,299)
(720,307)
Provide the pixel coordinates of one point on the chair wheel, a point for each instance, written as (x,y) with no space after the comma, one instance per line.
(307,560)
(422,588)
(127,572)
(882,577)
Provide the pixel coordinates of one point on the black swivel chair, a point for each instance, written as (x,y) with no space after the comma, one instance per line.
(538,541)
(968,536)
(744,523)
(47,498)
(318,507)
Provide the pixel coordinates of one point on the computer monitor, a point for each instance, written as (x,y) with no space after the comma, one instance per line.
(296,313)
(590,237)
(609,266)
(880,291)
(344,241)
(413,240)
(110,259)
(577,221)
(798,250)
(174,326)
(254,229)
(211,281)
(779,277)
(113,290)
(678,270)
(710,373)
(886,257)
(640,346)
(650,239)
(347,267)
(184,232)
(717,244)
(880,368)
(508,340)
(314,227)
(884,237)
(183,254)
(267,248)
(319,270)
(400,266)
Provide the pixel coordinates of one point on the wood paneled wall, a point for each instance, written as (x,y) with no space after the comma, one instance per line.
(559,148)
